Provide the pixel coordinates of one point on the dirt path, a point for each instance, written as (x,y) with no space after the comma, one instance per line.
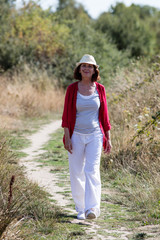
(42,175)
(35,171)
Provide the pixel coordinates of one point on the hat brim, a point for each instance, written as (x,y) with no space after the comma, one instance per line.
(79,63)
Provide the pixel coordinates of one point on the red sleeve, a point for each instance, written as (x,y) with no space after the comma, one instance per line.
(105,118)
(65,110)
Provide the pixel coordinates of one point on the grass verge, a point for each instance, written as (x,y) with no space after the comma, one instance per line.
(133,166)
(26,211)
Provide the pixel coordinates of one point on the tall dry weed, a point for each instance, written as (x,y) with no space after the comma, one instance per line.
(19,198)
(25,93)
(134,109)
(28,93)
(133,104)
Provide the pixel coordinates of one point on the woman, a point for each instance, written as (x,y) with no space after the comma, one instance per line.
(86,129)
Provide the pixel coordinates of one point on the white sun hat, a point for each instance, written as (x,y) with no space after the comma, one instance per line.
(87,59)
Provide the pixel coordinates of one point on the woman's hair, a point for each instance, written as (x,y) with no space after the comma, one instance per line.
(95,76)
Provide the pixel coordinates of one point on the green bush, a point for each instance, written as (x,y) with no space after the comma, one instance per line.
(55,41)
(130,28)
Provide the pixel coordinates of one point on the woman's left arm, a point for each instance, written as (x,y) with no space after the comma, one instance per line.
(109,144)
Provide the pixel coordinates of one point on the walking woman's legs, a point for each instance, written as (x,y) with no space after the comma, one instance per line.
(93,151)
(76,168)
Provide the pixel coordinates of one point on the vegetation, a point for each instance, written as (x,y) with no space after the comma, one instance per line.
(55,41)
(132,28)
(133,165)
(19,199)
(33,94)
(25,210)
(38,52)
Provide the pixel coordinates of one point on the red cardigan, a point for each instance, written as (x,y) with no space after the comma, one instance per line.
(69,112)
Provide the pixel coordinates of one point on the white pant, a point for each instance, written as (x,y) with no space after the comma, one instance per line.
(84,166)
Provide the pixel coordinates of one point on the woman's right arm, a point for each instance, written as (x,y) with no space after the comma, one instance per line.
(68,143)
(65,125)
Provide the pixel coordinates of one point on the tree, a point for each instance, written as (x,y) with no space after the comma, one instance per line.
(128,29)
(65,3)
(8,50)
(5,12)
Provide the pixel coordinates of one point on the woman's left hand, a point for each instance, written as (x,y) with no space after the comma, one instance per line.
(108,147)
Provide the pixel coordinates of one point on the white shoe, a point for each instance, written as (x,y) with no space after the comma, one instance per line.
(81,216)
(90,214)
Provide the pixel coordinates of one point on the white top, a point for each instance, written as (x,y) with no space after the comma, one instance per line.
(87,107)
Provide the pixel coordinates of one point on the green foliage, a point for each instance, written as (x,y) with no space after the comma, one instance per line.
(65,3)
(55,41)
(130,28)
(152,123)
(6,5)
(84,39)
(33,36)
(39,33)
(9,50)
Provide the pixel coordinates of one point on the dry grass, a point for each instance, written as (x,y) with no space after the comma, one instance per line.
(134,106)
(28,94)
(19,198)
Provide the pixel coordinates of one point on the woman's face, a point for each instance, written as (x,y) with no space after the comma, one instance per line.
(86,70)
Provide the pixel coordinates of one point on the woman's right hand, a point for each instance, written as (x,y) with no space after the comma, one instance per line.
(68,144)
